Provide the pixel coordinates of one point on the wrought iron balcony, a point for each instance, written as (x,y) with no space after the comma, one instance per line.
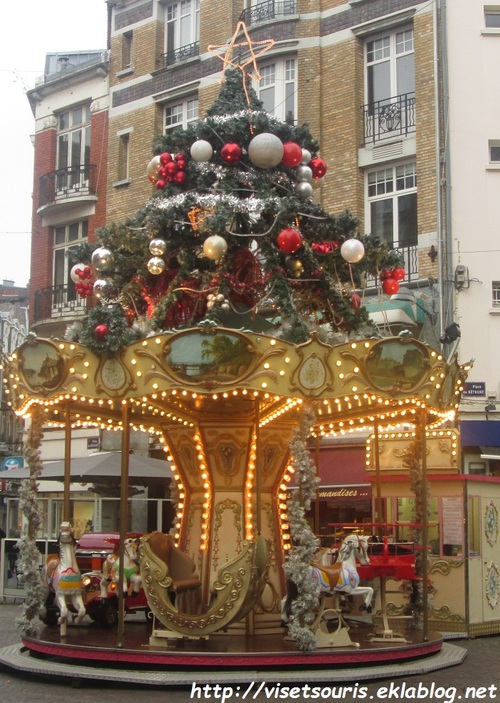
(188,51)
(410,265)
(67,182)
(58,301)
(270,10)
(386,119)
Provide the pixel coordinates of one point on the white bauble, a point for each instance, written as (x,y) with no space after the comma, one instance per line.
(352,250)
(306,156)
(265,150)
(152,169)
(157,246)
(156,265)
(73,273)
(214,247)
(304,189)
(201,150)
(304,173)
(102,258)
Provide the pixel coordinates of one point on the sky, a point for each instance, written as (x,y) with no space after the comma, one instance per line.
(34,29)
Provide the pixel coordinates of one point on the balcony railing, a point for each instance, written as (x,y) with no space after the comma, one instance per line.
(68,182)
(58,301)
(188,51)
(386,119)
(410,265)
(270,10)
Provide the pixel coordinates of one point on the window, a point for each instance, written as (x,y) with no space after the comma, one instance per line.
(182,24)
(123,156)
(392,200)
(180,114)
(73,149)
(494,150)
(127,50)
(492,16)
(277,88)
(390,66)
(495,294)
(66,237)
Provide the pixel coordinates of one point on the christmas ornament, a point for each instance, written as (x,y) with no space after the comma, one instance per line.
(325,247)
(318,167)
(157,247)
(165,158)
(385,274)
(160,184)
(201,150)
(306,156)
(231,153)
(152,169)
(304,190)
(101,331)
(292,154)
(102,258)
(170,170)
(84,289)
(356,301)
(265,150)
(80,272)
(102,288)
(398,273)
(180,177)
(390,286)
(214,247)
(352,251)
(156,265)
(289,240)
(304,173)
(317,182)
(294,266)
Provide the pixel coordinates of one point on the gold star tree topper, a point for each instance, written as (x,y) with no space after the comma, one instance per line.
(244,42)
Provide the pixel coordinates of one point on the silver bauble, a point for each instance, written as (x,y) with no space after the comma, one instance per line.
(304,173)
(102,258)
(214,247)
(157,247)
(265,150)
(352,251)
(306,156)
(304,190)
(156,265)
(201,150)
(102,288)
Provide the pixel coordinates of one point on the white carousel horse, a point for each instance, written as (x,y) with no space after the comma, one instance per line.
(342,576)
(112,571)
(63,576)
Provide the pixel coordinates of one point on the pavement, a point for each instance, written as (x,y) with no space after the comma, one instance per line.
(464,670)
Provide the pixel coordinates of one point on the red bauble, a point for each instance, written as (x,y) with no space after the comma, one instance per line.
(101,331)
(181,164)
(292,154)
(180,177)
(385,274)
(165,158)
(289,240)
(179,157)
(398,273)
(171,168)
(231,153)
(390,286)
(356,301)
(160,185)
(318,167)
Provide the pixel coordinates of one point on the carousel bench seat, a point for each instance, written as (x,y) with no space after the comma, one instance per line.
(183,581)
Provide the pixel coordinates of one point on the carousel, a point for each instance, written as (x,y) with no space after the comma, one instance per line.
(238,582)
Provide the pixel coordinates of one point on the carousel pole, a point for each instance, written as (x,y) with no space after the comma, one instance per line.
(378,487)
(123,518)
(425,526)
(258,482)
(66,513)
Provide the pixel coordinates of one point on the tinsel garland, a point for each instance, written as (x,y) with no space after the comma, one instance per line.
(29,556)
(304,541)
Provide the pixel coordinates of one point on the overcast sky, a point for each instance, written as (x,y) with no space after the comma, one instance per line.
(34,29)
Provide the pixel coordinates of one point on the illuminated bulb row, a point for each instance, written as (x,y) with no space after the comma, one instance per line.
(248,492)
(181,492)
(290,404)
(283,508)
(207,495)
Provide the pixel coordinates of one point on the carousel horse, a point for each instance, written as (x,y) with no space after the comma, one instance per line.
(112,571)
(63,578)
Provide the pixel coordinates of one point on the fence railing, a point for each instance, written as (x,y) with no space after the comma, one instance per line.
(270,10)
(67,182)
(188,51)
(389,118)
(57,301)
(410,265)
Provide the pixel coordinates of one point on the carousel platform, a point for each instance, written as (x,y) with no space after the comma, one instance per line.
(89,653)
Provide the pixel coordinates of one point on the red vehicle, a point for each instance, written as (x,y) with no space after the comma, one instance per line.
(97,553)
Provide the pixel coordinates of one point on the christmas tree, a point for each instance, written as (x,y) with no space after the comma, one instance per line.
(233,234)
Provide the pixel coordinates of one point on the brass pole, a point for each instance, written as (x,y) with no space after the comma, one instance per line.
(258,476)
(425,526)
(378,487)
(66,515)
(123,519)
(316,501)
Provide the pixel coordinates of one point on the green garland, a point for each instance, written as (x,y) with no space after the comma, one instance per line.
(118,334)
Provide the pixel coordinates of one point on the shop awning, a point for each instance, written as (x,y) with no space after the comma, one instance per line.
(480,433)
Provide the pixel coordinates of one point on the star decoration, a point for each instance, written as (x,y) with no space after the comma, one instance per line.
(228,59)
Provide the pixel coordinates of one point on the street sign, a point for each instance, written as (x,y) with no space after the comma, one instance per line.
(474,388)
(12,462)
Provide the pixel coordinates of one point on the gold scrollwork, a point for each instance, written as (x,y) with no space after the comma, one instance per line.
(444,567)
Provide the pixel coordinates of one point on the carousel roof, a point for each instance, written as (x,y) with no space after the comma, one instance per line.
(184,376)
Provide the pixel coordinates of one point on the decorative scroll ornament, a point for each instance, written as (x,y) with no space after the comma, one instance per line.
(492,589)
(491,523)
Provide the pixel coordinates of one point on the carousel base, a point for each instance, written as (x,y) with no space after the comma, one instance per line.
(90,653)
